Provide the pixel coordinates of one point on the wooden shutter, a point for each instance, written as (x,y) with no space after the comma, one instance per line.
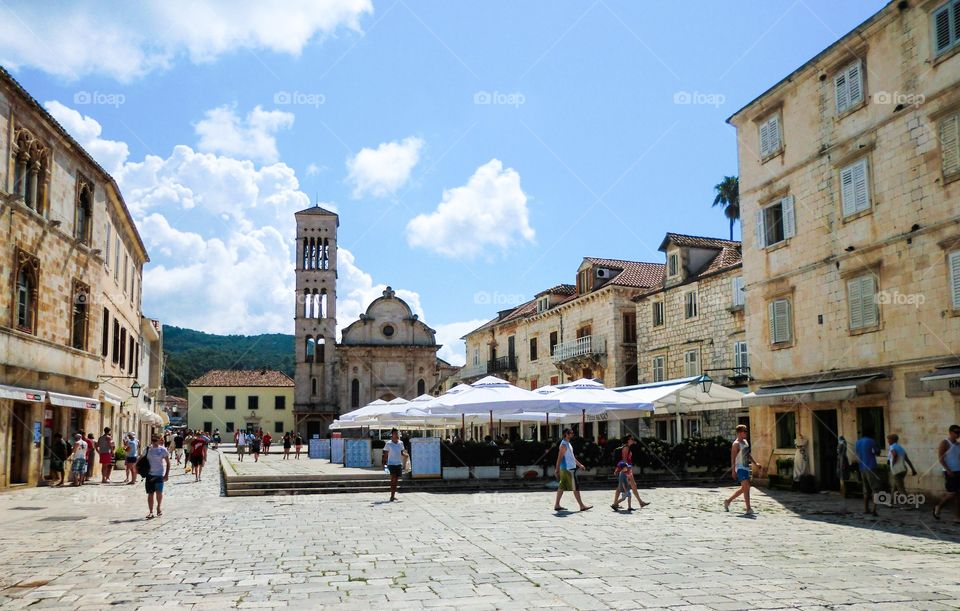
(779,321)
(854,183)
(764,139)
(950,144)
(761,236)
(789,222)
(847,194)
(954,269)
(840,87)
(868,300)
(737,288)
(854,78)
(942,35)
(774,124)
(853,303)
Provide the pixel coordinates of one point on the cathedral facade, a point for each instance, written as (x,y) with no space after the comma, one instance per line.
(387,353)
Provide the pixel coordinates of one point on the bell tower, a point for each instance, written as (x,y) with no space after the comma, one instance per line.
(315,393)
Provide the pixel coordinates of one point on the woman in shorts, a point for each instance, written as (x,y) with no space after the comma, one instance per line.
(286,446)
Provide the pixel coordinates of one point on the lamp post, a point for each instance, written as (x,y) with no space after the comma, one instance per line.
(706,383)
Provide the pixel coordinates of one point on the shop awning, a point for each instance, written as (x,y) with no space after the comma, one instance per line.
(73,401)
(112,400)
(20,394)
(837,389)
(943,378)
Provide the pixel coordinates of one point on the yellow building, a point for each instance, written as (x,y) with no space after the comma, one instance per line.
(849,173)
(237,399)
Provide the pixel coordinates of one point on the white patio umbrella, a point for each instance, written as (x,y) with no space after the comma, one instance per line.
(370,409)
(585,397)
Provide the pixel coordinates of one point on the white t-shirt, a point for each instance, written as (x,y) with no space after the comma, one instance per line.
(133,444)
(156,456)
(394,451)
(569,460)
(81,451)
(242,439)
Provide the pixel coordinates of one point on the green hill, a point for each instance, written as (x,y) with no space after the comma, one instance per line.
(192,353)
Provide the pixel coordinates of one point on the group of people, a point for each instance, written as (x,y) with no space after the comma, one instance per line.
(256,442)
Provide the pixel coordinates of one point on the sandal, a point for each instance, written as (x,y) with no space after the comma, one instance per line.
(150,517)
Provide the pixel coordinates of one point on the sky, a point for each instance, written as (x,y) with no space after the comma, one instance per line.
(475,151)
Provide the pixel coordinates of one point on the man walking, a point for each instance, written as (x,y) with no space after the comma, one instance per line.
(740,461)
(566,469)
(949,452)
(78,469)
(59,451)
(178,446)
(393,454)
(867,452)
(159,458)
(241,444)
(198,455)
(898,461)
(106,447)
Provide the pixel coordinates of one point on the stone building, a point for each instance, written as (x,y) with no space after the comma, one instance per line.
(241,399)
(691,323)
(570,331)
(70,264)
(849,173)
(387,353)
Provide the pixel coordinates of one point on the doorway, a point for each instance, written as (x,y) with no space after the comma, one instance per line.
(314,427)
(19,444)
(825,448)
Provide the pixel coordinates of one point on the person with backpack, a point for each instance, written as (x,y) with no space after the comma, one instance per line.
(106,447)
(155,474)
(198,455)
(255,447)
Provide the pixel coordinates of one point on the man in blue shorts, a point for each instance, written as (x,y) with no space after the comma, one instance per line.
(159,458)
(393,454)
(740,461)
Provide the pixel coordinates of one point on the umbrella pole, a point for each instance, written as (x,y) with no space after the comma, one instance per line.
(463,427)
(679,420)
(491,423)
(548,425)
(583,422)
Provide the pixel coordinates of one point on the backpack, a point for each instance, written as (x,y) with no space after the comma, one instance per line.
(143,465)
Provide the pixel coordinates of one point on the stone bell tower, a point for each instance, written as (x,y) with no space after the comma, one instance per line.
(315,394)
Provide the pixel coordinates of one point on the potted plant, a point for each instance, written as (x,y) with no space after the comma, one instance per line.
(119,457)
(452,461)
(376,451)
(530,458)
(484,461)
(785,467)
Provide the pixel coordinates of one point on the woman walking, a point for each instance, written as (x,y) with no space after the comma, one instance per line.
(131,445)
(255,444)
(626,481)
(286,446)
(298,442)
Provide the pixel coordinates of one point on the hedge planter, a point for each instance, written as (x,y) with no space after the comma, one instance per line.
(456,473)
(376,456)
(529,471)
(485,472)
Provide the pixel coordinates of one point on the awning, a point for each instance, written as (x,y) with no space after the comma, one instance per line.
(149,417)
(112,400)
(838,389)
(73,401)
(944,378)
(685,394)
(20,394)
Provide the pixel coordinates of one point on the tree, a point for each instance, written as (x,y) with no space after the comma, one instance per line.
(728,196)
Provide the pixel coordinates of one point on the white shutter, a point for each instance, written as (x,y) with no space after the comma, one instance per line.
(868,300)
(774,124)
(764,140)
(854,84)
(954,265)
(761,241)
(840,87)
(847,194)
(772,321)
(780,321)
(942,38)
(950,144)
(861,185)
(737,288)
(853,303)
(789,222)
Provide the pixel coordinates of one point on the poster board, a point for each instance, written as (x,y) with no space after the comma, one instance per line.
(425,457)
(324,448)
(313,449)
(357,453)
(336,450)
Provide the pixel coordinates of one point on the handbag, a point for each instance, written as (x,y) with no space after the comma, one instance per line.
(143,465)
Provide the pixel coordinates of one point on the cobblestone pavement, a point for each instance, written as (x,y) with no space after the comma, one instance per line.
(90,548)
(274,465)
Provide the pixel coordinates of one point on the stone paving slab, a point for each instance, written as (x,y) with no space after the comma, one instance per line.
(441,551)
(275,466)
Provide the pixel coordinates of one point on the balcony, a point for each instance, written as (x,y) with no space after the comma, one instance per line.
(473,371)
(587,346)
(502,363)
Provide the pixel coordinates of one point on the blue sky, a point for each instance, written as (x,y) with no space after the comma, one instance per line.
(476,151)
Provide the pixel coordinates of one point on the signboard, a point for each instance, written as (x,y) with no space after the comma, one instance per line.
(313,450)
(324,448)
(357,453)
(425,456)
(336,450)
(36,432)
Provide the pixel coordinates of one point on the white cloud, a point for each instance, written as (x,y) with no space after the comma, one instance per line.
(128,40)
(109,153)
(453,347)
(490,211)
(382,171)
(222,131)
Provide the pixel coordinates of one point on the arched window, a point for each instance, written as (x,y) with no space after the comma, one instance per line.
(325,261)
(313,386)
(321,348)
(26,299)
(323,303)
(307,304)
(355,393)
(78,332)
(310,350)
(84,212)
(421,387)
(31,170)
(306,254)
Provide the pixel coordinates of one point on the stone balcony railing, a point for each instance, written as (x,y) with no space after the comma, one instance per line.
(580,347)
(473,371)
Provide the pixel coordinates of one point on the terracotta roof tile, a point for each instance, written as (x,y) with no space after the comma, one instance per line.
(560,289)
(243,377)
(695,241)
(634,273)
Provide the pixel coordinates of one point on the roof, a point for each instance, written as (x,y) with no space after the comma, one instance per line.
(633,273)
(17,87)
(243,377)
(730,256)
(560,289)
(695,241)
(315,210)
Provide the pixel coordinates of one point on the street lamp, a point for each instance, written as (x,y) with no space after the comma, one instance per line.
(706,383)
(135,389)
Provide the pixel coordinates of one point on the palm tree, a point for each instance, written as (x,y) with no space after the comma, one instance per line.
(728,196)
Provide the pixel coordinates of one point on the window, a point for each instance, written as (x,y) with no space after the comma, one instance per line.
(946,27)
(673,263)
(659,368)
(533,349)
(421,387)
(116,258)
(953,266)
(693,428)
(388,331)
(31,170)
(780,321)
(279,402)
(770,143)
(543,304)
(126,273)
(27,294)
(354,393)
(630,327)
(229,427)
(310,350)
(657,313)
(950,145)
(278,427)
(105,333)
(230,402)
(583,282)
(253,402)
(138,360)
(862,301)
(738,293)
(662,430)
(116,341)
(554,380)
(207,426)
(476,356)
(131,353)
(109,238)
(207,401)
(122,358)
(870,421)
(786,429)
(691,363)
(553,342)
(776,222)
(313,386)
(690,305)
(848,86)
(631,374)
(84,210)
(741,362)
(855,188)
